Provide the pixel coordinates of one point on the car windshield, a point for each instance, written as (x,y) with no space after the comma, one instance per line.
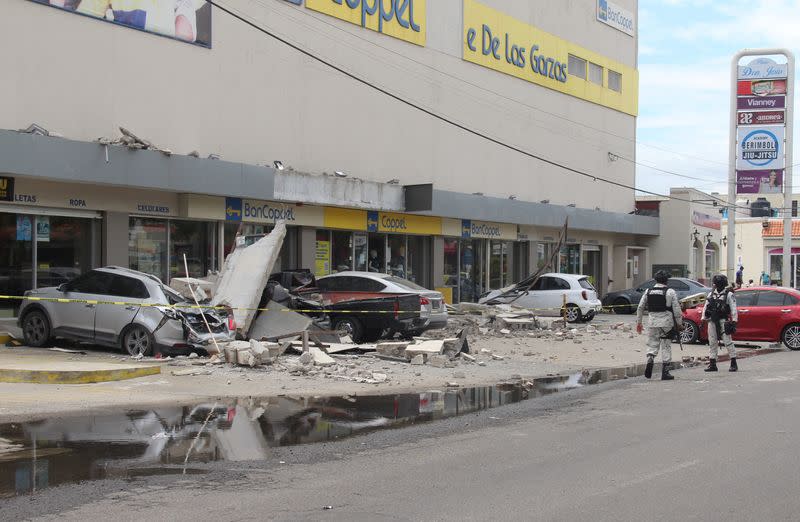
(404,283)
(585,284)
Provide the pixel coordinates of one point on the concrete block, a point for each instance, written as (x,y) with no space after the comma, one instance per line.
(426,348)
(438,361)
(392,349)
(418,360)
(321,358)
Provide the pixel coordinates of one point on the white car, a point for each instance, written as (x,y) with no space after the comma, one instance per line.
(387,284)
(546,296)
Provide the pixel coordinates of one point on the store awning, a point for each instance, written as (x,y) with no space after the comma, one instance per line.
(779,251)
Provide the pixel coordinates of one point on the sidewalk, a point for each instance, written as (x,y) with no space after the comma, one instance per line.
(517,355)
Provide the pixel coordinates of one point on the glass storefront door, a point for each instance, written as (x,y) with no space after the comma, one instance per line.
(498,264)
(16,259)
(472,270)
(593,265)
(147,246)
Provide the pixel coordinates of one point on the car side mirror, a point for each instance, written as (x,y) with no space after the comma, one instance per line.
(62,287)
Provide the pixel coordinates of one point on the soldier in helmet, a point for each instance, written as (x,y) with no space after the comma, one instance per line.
(663,323)
(721,314)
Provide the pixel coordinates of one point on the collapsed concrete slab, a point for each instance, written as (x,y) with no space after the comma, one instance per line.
(321,358)
(278,322)
(244,277)
(426,348)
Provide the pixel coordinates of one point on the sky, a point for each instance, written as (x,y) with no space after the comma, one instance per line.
(685,51)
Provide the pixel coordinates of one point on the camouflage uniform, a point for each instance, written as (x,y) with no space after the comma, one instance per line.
(660,324)
(713,337)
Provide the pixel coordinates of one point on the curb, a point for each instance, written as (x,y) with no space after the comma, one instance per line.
(75,377)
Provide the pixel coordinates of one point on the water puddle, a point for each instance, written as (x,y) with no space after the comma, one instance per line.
(171,440)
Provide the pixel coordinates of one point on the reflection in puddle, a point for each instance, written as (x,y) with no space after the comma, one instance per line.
(46,453)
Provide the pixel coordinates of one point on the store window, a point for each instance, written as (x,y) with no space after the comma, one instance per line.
(16,259)
(322,255)
(342,251)
(595,73)
(147,246)
(544,254)
(377,253)
(451,267)
(63,249)
(576,67)
(418,251)
(361,245)
(397,256)
(570,259)
(195,240)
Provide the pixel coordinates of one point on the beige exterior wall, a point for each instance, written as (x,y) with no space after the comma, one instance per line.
(253,100)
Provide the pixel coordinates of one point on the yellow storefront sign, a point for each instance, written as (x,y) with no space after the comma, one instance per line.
(495,40)
(403,223)
(345,218)
(403,19)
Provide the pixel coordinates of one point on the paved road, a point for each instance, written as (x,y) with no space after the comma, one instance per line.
(704,447)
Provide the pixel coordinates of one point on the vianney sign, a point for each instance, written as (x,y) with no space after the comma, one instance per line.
(403,19)
(497,41)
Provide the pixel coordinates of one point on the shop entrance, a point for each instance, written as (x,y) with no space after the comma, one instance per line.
(39,251)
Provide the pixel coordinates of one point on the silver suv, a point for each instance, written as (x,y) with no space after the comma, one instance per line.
(119,307)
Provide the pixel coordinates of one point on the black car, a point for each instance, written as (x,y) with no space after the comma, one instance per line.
(626,301)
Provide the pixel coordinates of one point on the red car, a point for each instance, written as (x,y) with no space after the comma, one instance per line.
(766,314)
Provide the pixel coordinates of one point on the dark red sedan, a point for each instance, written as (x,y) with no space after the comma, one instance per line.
(766,314)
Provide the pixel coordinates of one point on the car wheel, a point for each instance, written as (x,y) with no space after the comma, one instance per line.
(372,334)
(349,326)
(36,329)
(622,306)
(138,341)
(690,333)
(791,336)
(573,313)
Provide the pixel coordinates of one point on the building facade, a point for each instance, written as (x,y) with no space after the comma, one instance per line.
(374,165)
(691,237)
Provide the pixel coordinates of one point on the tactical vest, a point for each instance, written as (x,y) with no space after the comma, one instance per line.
(657,300)
(718,307)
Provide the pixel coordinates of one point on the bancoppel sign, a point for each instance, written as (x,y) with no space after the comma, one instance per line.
(760,148)
(615,16)
(763,68)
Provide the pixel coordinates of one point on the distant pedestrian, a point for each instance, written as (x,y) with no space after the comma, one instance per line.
(764,279)
(721,314)
(740,277)
(663,323)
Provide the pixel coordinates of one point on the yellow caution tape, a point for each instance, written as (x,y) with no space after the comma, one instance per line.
(226,308)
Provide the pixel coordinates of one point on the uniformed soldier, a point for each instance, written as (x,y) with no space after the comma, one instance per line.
(721,314)
(664,322)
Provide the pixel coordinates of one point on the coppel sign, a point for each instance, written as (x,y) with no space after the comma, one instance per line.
(760,147)
(403,19)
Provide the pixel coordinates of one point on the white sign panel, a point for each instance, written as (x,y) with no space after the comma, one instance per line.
(760,148)
(763,68)
(615,16)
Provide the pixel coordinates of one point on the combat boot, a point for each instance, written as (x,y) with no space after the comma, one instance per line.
(648,370)
(665,375)
(712,366)
(734,367)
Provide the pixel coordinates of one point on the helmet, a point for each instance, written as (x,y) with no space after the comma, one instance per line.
(661,277)
(720,282)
